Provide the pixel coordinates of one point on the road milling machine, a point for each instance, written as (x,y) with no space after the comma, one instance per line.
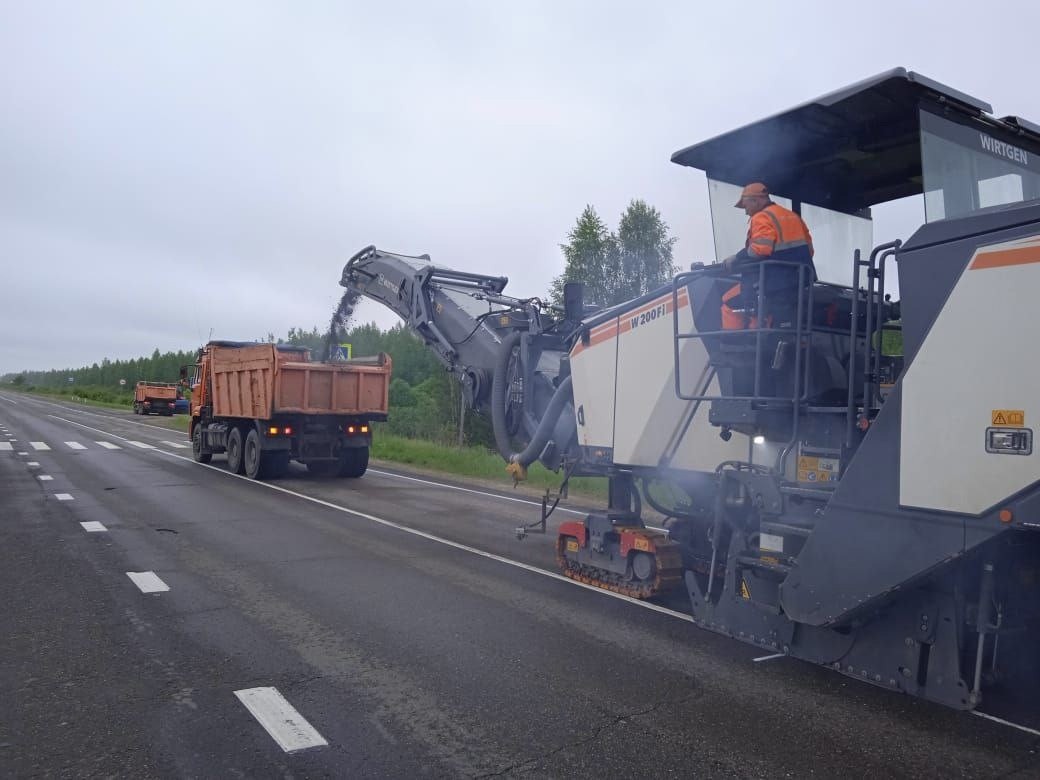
(859,489)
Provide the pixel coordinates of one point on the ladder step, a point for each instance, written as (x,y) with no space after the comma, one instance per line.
(817,494)
(756,563)
(785,529)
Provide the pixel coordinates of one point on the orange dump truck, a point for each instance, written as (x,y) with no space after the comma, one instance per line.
(265,404)
(155,397)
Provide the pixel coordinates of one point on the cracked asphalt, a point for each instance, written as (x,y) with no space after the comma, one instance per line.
(411,658)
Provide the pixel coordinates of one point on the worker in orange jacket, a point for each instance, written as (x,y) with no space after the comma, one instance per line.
(774,233)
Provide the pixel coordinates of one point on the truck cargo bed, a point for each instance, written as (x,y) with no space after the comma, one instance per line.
(261,381)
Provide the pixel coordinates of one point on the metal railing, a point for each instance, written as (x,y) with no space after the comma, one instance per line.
(875,266)
(802,329)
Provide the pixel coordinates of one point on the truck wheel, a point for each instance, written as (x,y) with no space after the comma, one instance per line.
(253,460)
(137,409)
(353,462)
(196,447)
(234,451)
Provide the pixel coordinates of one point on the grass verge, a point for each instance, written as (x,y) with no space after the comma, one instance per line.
(475,462)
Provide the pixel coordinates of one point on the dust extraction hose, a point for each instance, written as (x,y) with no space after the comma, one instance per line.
(499,390)
(545,428)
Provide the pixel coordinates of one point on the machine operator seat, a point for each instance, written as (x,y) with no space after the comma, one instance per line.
(734,354)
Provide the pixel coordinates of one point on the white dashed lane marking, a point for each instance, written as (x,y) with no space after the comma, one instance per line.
(6,446)
(45,477)
(74,445)
(281,720)
(93,526)
(109,445)
(147,581)
(179,445)
(38,445)
(140,444)
(32,464)
(64,496)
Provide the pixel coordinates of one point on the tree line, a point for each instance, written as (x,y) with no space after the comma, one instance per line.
(160,367)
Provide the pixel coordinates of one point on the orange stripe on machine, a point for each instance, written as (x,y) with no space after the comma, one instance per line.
(1004,255)
(623,323)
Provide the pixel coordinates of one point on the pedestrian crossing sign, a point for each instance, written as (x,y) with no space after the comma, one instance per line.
(342,352)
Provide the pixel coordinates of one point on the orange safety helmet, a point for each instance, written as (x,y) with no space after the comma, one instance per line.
(755,189)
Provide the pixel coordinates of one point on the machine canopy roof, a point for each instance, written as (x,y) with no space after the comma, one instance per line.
(850,149)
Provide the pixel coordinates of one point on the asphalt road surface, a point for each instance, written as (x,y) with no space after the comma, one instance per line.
(388,626)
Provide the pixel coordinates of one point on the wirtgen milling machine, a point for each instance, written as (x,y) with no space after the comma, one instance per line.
(827,498)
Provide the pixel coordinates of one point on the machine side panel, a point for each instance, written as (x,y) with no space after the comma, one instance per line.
(867,545)
(974,388)
(650,421)
(594,378)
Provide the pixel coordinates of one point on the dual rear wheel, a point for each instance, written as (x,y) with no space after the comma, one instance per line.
(248,457)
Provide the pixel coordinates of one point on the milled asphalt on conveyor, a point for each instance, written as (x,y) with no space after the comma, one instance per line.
(406,655)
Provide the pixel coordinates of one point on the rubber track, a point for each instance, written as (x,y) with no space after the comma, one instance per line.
(668,561)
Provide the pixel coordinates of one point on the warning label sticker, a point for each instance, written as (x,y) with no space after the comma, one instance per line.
(1008,418)
(817,469)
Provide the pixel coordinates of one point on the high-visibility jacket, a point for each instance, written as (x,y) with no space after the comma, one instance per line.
(776,233)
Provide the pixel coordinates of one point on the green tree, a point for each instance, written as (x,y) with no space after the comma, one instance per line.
(587,254)
(643,259)
(616,267)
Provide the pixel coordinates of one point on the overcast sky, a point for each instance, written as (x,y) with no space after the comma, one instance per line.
(172,170)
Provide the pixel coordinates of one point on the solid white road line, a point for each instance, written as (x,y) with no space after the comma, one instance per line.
(440,540)
(64,496)
(93,526)
(147,581)
(38,445)
(281,720)
(45,477)
(6,446)
(1003,722)
(178,444)
(140,444)
(109,445)
(74,445)
(768,657)
(499,496)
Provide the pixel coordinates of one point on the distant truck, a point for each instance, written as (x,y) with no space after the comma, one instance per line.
(265,404)
(155,398)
